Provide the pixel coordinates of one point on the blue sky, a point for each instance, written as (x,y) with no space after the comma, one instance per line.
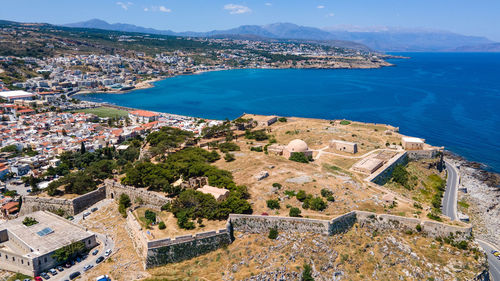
(471,17)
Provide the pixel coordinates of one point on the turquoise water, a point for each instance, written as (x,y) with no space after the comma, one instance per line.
(449,99)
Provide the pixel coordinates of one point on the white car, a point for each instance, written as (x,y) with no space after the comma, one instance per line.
(108,252)
(87,267)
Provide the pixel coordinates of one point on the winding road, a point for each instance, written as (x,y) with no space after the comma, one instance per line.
(450,209)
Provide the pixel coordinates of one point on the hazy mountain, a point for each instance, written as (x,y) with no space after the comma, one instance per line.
(379,38)
(492,47)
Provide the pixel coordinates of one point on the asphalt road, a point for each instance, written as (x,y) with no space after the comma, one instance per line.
(450,209)
(105,243)
(450,195)
(492,260)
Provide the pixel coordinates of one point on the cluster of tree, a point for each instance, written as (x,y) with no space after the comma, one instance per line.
(438,185)
(228,146)
(258,135)
(192,204)
(29,221)
(299,157)
(69,252)
(150,216)
(217,130)
(15,152)
(311,202)
(400,175)
(273,204)
(123,203)
(166,139)
(328,194)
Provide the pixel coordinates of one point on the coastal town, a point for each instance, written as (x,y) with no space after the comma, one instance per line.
(97,191)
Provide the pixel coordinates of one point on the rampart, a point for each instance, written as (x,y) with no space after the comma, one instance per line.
(148,199)
(69,206)
(384,173)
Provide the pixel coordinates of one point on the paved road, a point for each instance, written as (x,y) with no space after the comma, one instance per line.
(105,243)
(450,210)
(450,195)
(492,260)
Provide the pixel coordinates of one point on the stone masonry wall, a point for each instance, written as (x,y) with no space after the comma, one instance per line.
(262,224)
(431,228)
(385,172)
(69,206)
(149,198)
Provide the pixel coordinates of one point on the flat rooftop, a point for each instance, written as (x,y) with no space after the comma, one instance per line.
(49,234)
(413,139)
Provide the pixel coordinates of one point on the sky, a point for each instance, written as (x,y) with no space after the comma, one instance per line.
(469,17)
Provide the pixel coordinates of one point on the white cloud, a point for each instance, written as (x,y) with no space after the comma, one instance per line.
(124,5)
(320,7)
(268,4)
(237,9)
(330,15)
(162,9)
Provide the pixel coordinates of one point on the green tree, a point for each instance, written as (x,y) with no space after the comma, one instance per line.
(273,204)
(69,252)
(123,203)
(301,195)
(307,273)
(299,157)
(82,148)
(273,233)
(400,175)
(294,212)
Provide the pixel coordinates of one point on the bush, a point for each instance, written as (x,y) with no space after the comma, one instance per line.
(228,146)
(229,157)
(282,119)
(345,122)
(150,216)
(123,204)
(162,225)
(326,192)
(294,212)
(277,185)
(418,228)
(273,204)
(434,216)
(317,204)
(29,221)
(256,148)
(400,175)
(299,157)
(301,195)
(307,273)
(330,199)
(273,233)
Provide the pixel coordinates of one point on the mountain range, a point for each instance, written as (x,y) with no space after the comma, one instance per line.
(381,39)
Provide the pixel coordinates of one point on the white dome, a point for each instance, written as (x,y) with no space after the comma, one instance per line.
(297,146)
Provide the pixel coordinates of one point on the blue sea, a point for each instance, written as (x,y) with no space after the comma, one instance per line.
(450,99)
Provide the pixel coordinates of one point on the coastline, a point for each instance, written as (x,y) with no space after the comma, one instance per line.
(149,83)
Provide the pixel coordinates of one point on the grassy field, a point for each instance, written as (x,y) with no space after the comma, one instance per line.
(105,112)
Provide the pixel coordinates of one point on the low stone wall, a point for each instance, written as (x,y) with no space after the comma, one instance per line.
(69,206)
(165,251)
(262,224)
(149,198)
(431,228)
(342,223)
(384,173)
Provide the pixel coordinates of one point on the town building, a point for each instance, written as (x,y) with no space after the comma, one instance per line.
(410,143)
(219,193)
(16,95)
(368,165)
(29,249)
(297,146)
(143,116)
(346,146)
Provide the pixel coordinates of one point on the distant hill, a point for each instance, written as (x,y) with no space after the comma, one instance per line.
(384,39)
(492,48)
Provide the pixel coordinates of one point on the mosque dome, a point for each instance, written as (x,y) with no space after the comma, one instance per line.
(297,146)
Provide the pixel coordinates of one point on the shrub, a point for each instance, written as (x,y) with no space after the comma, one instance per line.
(330,199)
(123,204)
(294,212)
(301,195)
(282,119)
(162,225)
(434,216)
(307,273)
(256,148)
(299,157)
(418,228)
(29,221)
(317,204)
(400,175)
(277,185)
(345,122)
(229,157)
(326,192)
(273,204)
(150,216)
(228,146)
(462,245)
(273,233)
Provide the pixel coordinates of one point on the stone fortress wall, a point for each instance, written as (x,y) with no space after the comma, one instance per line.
(169,250)
(69,206)
(150,199)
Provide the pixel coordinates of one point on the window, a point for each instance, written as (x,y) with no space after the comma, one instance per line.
(13,259)
(22,261)
(45,259)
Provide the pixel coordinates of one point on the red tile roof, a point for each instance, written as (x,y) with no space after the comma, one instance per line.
(143,113)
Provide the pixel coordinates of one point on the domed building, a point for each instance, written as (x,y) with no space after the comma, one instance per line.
(297,146)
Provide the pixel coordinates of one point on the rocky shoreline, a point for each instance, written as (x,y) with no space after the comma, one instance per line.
(483,196)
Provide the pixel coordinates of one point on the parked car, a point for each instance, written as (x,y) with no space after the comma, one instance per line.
(45,275)
(87,267)
(99,259)
(93,209)
(496,254)
(108,252)
(60,268)
(74,275)
(71,218)
(95,252)
(86,214)
(38,278)
(53,271)
(103,278)
(78,259)
(67,265)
